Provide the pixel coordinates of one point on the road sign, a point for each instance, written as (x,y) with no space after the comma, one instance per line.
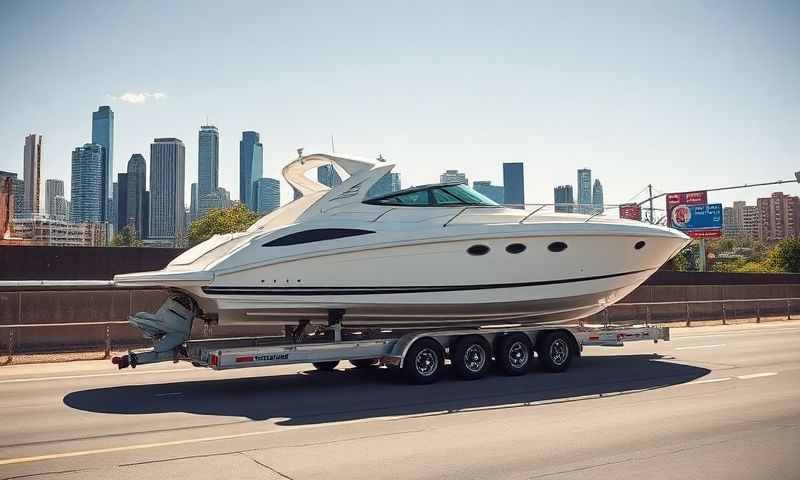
(697,221)
(630,211)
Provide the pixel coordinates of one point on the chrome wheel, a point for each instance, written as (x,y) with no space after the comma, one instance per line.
(559,351)
(474,358)
(518,355)
(426,362)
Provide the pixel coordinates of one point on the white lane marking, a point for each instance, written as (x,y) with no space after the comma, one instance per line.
(94,375)
(701,347)
(757,375)
(169,394)
(711,380)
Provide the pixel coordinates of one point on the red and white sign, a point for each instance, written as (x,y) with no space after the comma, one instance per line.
(630,211)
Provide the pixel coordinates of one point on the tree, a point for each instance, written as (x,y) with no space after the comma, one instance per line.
(786,255)
(219,221)
(126,238)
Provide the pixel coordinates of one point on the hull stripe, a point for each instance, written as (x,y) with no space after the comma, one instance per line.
(322,291)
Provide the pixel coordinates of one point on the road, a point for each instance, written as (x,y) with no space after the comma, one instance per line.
(715,402)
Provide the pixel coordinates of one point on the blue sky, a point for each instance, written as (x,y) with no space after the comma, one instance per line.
(680,94)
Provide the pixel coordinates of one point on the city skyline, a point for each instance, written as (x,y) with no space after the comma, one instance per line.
(557,88)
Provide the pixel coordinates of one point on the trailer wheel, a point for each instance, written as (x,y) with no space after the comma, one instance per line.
(555,351)
(424,362)
(365,362)
(326,366)
(514,354)
(471,357)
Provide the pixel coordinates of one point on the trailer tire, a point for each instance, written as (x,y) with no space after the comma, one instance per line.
(471,357)
(424,362)
(326,366)
(514,354)
(365,362)
(556,351)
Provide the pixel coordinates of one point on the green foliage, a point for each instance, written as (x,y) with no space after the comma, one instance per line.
(126,238)
(785,257)
(219,221)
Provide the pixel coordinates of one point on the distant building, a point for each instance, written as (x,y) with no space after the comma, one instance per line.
(167,171)
(17,190)
(328,176)
(88,203)
(207,160)
(453,176)
(218,199)
(597,197)
(103,134)
(32,164)
(563,199)
(121,210)
(54,188)
(137,207)
(751,222)
(268,195)
(494,192)
(779,217)
(387,184)
(514,184)
(38,229)
(251,166)
(584,190)
(194,203)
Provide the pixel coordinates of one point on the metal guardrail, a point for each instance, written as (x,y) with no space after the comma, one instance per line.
(688,303)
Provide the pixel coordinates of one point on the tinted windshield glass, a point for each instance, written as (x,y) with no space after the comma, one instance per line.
(468,195)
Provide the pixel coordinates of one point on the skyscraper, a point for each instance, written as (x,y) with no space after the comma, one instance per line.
(167,170)
(54,188)
(584,190)
(453,176)
(268,195)
(327,175)
(597,196)
(32,174)
(562,197)
(207,160)
(779,217)
(251,166)
(218,199)
(103,134)
(386,184)
(88,202)
(194,203)
(121,211)
(494,192)
(136,204)
(514,184)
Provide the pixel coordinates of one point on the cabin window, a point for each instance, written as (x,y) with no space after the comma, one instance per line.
(515,248)
(477,250)
(316,235)
(639,245)
(557,247)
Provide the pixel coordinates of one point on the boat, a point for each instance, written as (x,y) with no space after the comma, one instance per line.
(440,254)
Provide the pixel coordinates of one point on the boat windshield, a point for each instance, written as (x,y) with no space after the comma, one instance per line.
(435,196)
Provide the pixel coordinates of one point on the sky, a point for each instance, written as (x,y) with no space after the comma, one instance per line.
(679,94)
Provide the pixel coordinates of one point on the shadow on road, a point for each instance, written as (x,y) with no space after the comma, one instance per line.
(347,394)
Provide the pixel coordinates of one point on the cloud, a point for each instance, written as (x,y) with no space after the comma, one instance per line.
(140,97)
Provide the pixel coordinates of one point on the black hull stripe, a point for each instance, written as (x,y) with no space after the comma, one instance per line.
(318,291)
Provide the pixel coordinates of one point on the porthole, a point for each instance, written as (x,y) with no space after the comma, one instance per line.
(639,245)
(478,250)
(516,248)
(557,247)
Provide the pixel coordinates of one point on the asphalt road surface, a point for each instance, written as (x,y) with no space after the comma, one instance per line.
(715,402)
